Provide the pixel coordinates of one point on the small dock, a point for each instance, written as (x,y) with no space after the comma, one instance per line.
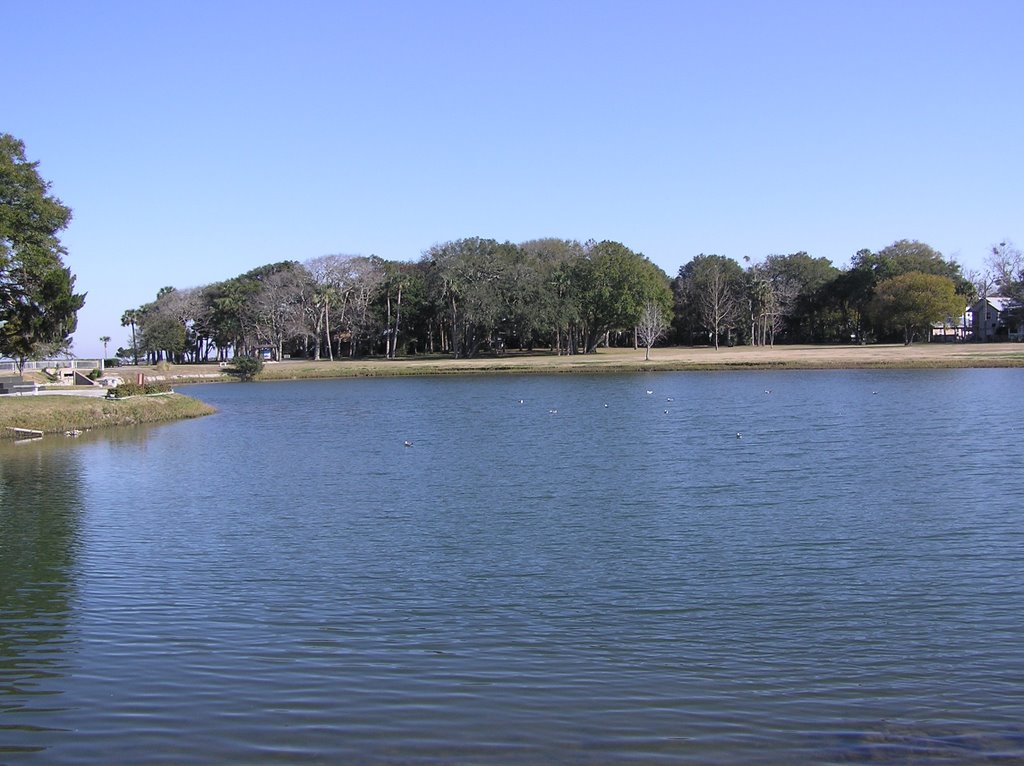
(25,431)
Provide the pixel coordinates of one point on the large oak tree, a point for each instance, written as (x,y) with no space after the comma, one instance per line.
(911,302)
(612,285)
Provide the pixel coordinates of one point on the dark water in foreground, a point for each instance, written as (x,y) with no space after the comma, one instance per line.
(621,581)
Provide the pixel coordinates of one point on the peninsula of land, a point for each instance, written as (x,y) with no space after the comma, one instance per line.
(30,415)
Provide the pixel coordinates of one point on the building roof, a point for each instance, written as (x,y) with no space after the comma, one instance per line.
(998,302)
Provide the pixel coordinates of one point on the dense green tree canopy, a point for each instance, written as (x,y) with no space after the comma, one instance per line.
(613,284)
(709,298)
(911,302)
(785,299)
(470,279)
(905,256)
(807,273)
(38,305)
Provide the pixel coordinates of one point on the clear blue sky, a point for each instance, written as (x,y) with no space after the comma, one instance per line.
(197,140)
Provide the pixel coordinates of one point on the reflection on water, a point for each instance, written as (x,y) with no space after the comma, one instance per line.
(40,508)
(559,570)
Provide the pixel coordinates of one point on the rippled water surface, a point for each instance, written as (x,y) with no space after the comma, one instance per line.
(798,567)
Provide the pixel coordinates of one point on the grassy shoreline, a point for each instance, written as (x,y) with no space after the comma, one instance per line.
(929,355)
(54,414)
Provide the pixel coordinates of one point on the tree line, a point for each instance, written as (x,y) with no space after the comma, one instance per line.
(472,296)
(462,298)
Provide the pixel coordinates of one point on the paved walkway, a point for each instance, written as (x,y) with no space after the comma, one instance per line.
(94,391)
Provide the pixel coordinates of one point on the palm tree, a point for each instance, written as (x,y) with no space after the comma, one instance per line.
(104,339)
(130,317)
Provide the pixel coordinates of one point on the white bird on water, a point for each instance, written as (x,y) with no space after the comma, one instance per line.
(407,443)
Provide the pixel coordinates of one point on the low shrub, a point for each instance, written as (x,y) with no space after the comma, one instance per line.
(246,367)
(128,388)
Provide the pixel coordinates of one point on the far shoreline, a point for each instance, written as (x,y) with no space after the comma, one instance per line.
(625,360)
(55,413)
(612,360)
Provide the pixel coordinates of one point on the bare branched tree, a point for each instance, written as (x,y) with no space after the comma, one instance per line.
(278,308)
(651,327)
(1005,268)
(717,299)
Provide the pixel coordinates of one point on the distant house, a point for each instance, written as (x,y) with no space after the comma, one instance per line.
(997,318)
(953,329)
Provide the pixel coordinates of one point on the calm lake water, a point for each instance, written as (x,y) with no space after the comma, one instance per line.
(707,568)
